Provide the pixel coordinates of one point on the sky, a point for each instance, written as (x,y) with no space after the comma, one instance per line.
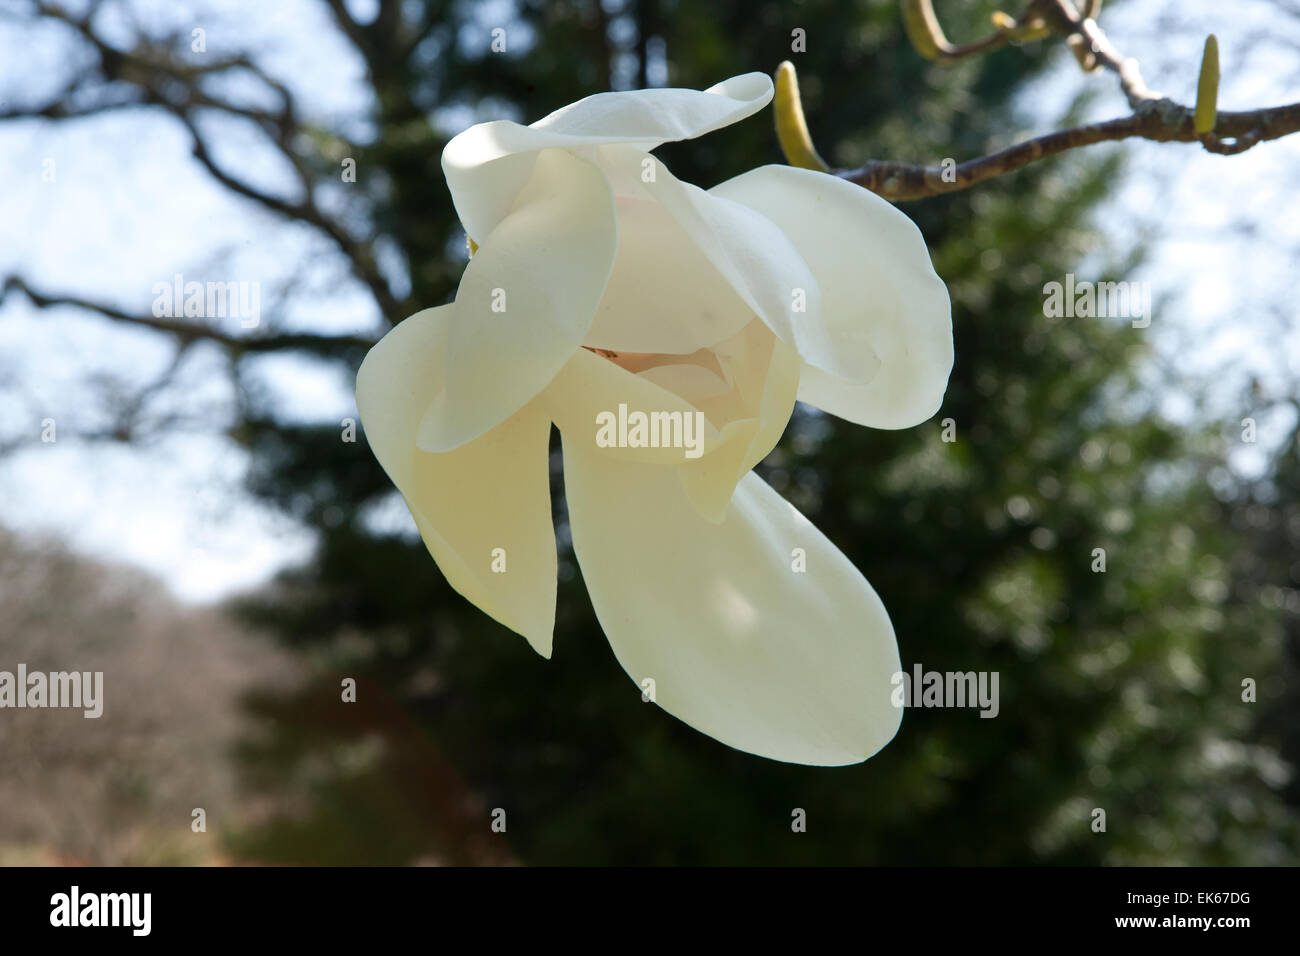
(129,207)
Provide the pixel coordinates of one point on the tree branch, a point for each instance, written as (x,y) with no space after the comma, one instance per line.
(931,42)
(188,332)
(1234,133)
(1155,117)
(159,79)
(348,25)
(358,253)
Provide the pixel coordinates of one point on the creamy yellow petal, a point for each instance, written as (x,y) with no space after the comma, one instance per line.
(664,295)
(487,165)
(590,385)
(765,379)
(480,508)
(755,257)
(795,666)
(526,300)
(882,305)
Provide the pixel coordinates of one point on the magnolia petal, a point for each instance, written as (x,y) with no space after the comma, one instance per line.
(787,665)
(765,374)
(697,384)
(590,386)
(756,257)
(881,301)
(493,492)
(657,116)
(488,164)
(663,295)
(486,167)
(526,300)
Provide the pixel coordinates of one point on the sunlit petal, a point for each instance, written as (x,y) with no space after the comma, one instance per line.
(486,504)
(791,665)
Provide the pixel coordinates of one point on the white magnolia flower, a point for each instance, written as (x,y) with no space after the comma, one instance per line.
(602,281)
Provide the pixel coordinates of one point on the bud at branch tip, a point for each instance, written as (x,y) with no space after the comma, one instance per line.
(791,129)
(1207,88)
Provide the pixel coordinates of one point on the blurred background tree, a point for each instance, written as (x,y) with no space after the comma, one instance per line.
(1120,690)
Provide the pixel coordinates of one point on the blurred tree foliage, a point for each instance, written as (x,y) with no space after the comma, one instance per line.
(1120,690)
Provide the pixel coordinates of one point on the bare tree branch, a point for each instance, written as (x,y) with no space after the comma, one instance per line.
(152,76)
(927,35)
(1155,117)
(1235,132)
(348,25)
(357,251)
(188,332)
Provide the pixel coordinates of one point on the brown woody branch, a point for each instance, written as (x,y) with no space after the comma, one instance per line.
(1155,117)
(159,79)
(1234,133)
(188,332)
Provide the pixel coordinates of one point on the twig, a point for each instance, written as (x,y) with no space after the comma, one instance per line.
(187,332)
(1155,117)
(1234,133)
(167,82)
